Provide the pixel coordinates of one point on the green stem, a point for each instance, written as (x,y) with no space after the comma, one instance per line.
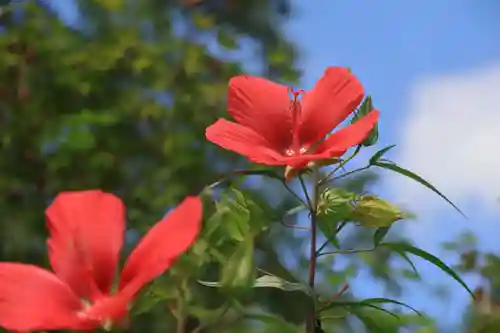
(311,318)
(304,189)
(341,165)
(345,252)
(181,309)
(350,173)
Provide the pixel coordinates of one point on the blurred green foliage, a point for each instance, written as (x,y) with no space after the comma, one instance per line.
(117,98)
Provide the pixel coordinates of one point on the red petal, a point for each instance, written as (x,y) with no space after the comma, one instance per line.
(339,142)
(114,308)
(334,97)
(242,140)
(86,235)
(34,299)
(164,242)
(263,106)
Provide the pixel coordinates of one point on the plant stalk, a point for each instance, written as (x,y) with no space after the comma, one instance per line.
(311,318)
(181,309)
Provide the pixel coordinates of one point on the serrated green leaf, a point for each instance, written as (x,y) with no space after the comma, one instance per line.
(417,178)
(234,218)
(430,258)
(239,271)
(261,214)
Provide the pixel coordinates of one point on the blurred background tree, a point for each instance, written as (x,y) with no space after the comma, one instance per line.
(117,97)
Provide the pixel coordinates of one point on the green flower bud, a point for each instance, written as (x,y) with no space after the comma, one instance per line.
(373,212)
(335,200)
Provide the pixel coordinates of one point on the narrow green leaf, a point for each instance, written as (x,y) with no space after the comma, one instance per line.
(349,304)
(379,154)
(375,322)
(408,260)
(271,281)
(276,323)
(371,324)
(295,210)
(268,281)
(417,178)
(212,284)
(381,300)
(379,235)
(430,258)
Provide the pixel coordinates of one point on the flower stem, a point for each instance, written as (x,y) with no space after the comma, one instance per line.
(181,308)
(311,318)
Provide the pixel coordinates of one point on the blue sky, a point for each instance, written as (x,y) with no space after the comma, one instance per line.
(392,46)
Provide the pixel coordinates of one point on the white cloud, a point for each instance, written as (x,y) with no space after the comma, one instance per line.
(451,137)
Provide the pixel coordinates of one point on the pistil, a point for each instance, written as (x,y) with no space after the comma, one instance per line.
(296,110)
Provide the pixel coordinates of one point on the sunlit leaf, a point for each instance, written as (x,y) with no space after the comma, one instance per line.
(268,281)
(271,281)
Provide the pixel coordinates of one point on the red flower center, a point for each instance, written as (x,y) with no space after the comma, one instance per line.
(104,312)
(296,147)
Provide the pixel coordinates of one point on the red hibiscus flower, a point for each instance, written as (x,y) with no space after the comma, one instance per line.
(86,235)
(274,129)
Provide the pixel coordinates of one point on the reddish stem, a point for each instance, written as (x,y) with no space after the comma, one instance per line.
(311,318)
